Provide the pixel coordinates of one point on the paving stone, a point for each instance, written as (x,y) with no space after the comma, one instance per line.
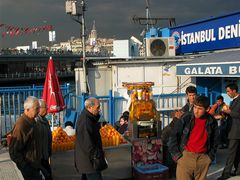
(8,169)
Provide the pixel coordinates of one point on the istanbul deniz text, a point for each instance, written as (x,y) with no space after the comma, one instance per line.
(208,35)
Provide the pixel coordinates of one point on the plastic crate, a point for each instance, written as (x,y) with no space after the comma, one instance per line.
(151,171)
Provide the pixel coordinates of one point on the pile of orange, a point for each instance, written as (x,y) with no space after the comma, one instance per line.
(61,141)
(110,137)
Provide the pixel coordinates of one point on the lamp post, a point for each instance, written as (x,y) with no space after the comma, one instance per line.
(84,48)
(75,10)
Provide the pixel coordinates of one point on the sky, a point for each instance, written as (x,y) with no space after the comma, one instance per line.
(113,18)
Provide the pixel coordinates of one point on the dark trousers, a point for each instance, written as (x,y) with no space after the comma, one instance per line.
(223,133)
(92,176)
(47,171)
(30,173)
(232,154)
(237,159)
(168,161)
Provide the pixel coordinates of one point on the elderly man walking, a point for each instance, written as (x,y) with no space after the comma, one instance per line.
(22,148)
(45,142)
(88,140)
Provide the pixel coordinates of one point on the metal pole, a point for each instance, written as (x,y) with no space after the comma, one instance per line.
(52,122)
(83,49)
(1,123)
(147,27)
(147,14)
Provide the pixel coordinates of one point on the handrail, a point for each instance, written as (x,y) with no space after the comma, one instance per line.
(34,75)
(11,102)
(182,85)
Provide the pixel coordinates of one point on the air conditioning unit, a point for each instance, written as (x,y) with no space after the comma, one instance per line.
(160,47)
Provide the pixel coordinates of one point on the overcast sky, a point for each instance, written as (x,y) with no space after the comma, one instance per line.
(113,17)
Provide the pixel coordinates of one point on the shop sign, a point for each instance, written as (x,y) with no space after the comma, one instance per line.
(232,70)
(207,35)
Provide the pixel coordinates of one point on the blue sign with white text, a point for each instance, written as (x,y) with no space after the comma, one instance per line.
(211,34)
(212,70)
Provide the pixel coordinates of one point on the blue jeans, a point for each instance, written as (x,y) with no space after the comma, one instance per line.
(92,176)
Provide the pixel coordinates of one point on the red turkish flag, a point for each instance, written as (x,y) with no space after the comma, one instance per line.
(52,93)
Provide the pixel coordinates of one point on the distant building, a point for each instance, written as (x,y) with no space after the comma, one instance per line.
(141,51)
(66,46)
(121,48)
(127,48)
(93,36)
(94,45)
(23,48)
(76,45)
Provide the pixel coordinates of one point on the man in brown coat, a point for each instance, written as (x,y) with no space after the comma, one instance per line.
(22,148)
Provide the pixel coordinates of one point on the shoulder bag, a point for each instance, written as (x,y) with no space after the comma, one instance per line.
(98,160)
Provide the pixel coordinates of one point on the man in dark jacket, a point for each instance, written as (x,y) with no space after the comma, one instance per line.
(45,142)
(88,139)
(191,93)
(234,132)
(193,141)
(23,149)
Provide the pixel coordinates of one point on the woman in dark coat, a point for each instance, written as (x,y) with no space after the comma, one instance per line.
(88,139)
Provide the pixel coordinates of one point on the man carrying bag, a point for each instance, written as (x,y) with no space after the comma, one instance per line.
(89,156)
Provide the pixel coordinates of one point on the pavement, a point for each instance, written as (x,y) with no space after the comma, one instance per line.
(216,168)
(8,169)
(119,160)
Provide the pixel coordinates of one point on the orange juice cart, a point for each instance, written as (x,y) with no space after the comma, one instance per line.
(144,128)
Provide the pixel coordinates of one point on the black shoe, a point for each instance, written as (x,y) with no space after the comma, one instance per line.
(233,173)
